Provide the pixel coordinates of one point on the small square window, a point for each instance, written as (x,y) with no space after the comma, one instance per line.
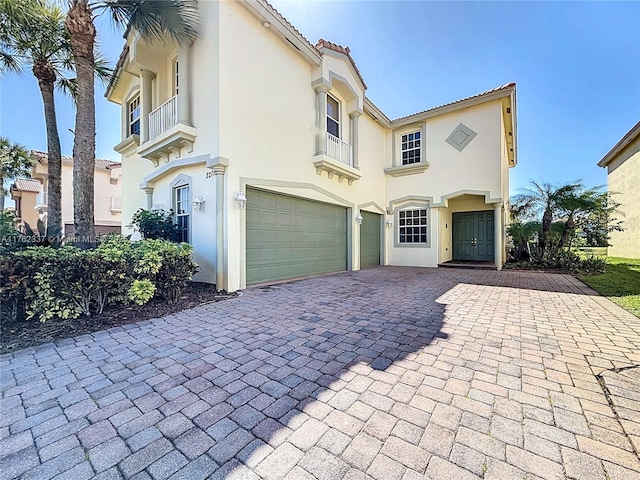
(410,148)
(412,226)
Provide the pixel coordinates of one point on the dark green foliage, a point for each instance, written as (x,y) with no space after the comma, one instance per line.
(43,282)
(155,224)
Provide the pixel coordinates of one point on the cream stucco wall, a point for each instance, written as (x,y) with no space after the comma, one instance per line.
(624,180)
(254,105)
(479,169)
(103,191)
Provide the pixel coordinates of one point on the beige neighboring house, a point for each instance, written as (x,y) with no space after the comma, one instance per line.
(623,178)
(277,165)
(30,194)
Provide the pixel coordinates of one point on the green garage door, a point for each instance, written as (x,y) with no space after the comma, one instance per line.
(289,237)
(370,239)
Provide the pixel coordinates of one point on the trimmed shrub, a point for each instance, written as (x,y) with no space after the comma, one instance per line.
(44,282)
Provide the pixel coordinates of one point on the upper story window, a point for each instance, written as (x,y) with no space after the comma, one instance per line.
(134,116)
(412,226)
(411,148)
(181,196)
(333,116)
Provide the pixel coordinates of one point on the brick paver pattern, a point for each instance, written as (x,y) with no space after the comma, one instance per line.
(388,373)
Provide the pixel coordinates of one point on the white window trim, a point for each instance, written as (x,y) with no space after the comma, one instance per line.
(339,120)
(396,233)
(396,139)
(412,149)
(130,123)
(175,75)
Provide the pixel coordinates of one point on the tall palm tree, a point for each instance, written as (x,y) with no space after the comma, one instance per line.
(16,162)
(154,20)
(33,34)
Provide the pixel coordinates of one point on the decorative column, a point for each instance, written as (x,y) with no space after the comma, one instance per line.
(146,76)
(354,137)
(322,120)
(149,192)
(184,110)
(498,235)
(218,169)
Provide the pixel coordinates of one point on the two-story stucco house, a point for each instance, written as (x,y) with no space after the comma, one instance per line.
(31,195)
(623,177)
(278,166)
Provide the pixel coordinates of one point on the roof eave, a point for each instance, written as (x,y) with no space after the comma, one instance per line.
(455,106)
(630,137)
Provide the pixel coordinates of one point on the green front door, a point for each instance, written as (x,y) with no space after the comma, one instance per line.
(370,239)
(473,236)
(289,237)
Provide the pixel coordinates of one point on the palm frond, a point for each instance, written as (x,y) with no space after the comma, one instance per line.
(156,19)
(68,86)
(102,69)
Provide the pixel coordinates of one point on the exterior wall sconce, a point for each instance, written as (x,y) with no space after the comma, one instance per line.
(359,219)
(198,203)
(389,223)
(241,199)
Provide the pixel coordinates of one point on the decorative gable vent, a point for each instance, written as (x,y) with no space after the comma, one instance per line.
(461,137)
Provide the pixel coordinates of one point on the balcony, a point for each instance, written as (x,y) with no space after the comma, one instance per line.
(42,200)
(116,205)
(167,135)
(337,161)
(163,118)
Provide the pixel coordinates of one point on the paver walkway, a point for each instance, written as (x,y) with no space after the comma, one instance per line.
(391,373)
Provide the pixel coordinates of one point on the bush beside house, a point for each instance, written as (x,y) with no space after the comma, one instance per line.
(43,282)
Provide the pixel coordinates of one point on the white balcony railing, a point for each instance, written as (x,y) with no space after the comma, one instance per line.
(116,204)
(339,150)
(163,118)
(42,199)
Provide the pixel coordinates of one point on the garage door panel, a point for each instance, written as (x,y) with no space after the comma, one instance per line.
(290,237)
(370,240)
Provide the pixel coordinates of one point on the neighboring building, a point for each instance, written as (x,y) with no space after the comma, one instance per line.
(24,192)
(253,110)
(31,194)
(623,179)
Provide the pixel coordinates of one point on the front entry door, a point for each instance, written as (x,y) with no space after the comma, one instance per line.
(473,236)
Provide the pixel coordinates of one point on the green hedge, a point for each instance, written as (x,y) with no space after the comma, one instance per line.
(43,282)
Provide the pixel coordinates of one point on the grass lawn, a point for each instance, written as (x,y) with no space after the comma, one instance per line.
(621,283)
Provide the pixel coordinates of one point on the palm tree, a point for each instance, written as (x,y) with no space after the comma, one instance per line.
(33,34)
(154,20)
(543,198)
(16,162)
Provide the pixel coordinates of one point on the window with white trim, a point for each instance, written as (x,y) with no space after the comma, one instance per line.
(412,226)
(182,210)
(333,116)
(133,110)
(411,147)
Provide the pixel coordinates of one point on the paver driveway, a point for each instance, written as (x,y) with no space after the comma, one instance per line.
(389,373)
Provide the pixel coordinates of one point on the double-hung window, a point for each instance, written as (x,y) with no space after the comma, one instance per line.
(134,116)
(333,116)
(181,196)
(412,226)
(411,148)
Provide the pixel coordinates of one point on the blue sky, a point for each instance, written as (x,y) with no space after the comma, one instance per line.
(576,65)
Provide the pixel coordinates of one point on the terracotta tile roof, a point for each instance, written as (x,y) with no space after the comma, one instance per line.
(322,43)
(101,163)
(507,86)
(27,185)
